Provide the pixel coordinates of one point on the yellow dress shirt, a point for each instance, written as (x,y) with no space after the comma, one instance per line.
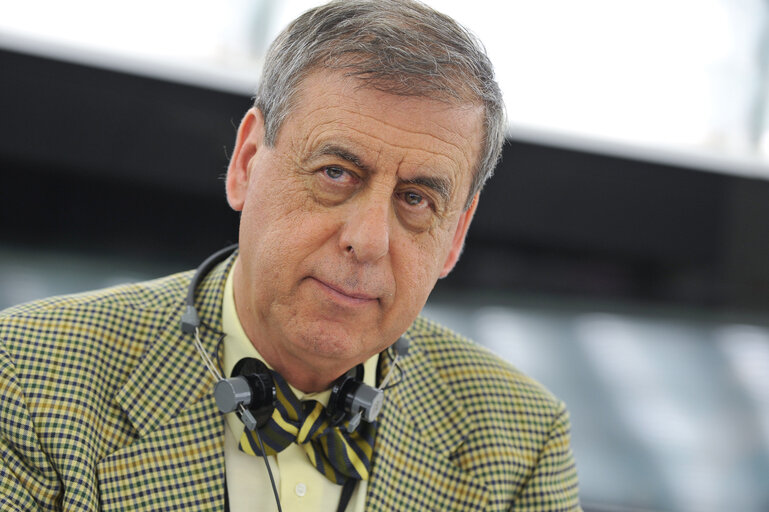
(300,485)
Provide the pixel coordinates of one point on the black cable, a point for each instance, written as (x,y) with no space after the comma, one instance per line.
(349,487)
(190,320)
(204,268)
(344,500)
(269,471)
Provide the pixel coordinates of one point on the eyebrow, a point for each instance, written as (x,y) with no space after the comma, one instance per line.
(440,185)
(340,152)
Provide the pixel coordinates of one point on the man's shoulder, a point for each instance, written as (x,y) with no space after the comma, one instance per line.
(145,295)
(478,376)
(97,317)
(508,430)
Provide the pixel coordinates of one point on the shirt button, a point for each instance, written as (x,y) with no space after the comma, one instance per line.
(300,489)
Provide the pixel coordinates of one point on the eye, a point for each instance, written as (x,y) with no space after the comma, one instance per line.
(417,201)
(416,211)
(333,172)
(412,198)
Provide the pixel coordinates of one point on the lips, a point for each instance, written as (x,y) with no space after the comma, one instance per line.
(341,293)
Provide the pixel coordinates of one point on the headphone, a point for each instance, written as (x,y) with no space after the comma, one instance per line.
(250,390)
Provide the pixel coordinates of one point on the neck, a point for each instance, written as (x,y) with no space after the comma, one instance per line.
(308,379)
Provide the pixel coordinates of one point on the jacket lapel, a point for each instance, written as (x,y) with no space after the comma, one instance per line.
(177,461)
(421,427)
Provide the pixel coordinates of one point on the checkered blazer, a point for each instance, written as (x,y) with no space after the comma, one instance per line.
(105,405)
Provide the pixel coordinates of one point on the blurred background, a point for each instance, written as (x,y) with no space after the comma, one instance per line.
(620,255)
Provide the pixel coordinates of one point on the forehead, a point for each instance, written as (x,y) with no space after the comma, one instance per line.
(416,131)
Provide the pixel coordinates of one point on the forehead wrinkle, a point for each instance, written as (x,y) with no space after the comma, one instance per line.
(344,106)
(455,146)
(345,102)
(432,154)
(412,131)
(317,142)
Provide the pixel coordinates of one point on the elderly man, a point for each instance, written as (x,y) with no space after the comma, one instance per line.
(357,173)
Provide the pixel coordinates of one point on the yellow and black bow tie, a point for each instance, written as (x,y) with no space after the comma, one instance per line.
(338,454)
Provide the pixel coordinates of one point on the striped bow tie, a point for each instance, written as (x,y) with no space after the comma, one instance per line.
(336,453)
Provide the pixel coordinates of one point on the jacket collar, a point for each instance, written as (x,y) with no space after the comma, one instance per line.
(171,375)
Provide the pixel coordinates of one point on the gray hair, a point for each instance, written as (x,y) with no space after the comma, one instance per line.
(400,47)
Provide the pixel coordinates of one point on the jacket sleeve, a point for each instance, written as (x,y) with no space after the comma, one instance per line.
(553,485)
(27,479)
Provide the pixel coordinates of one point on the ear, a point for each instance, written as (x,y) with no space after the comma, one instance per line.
(250,138)
(459,237)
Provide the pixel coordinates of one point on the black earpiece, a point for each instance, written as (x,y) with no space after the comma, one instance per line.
(354,400)
(251,386)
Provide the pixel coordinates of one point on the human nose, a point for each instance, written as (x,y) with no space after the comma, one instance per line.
(366,232)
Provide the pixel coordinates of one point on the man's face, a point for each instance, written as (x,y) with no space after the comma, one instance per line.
(349,220)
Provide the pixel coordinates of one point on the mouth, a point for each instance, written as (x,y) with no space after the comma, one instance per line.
(345,296)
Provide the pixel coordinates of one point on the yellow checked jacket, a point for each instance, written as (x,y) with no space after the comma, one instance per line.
(105,405)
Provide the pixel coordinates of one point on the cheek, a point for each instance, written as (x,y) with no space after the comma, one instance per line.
(275,198)
(417,266)
(279,222)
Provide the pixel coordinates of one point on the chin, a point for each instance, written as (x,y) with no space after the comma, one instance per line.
(330,343)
